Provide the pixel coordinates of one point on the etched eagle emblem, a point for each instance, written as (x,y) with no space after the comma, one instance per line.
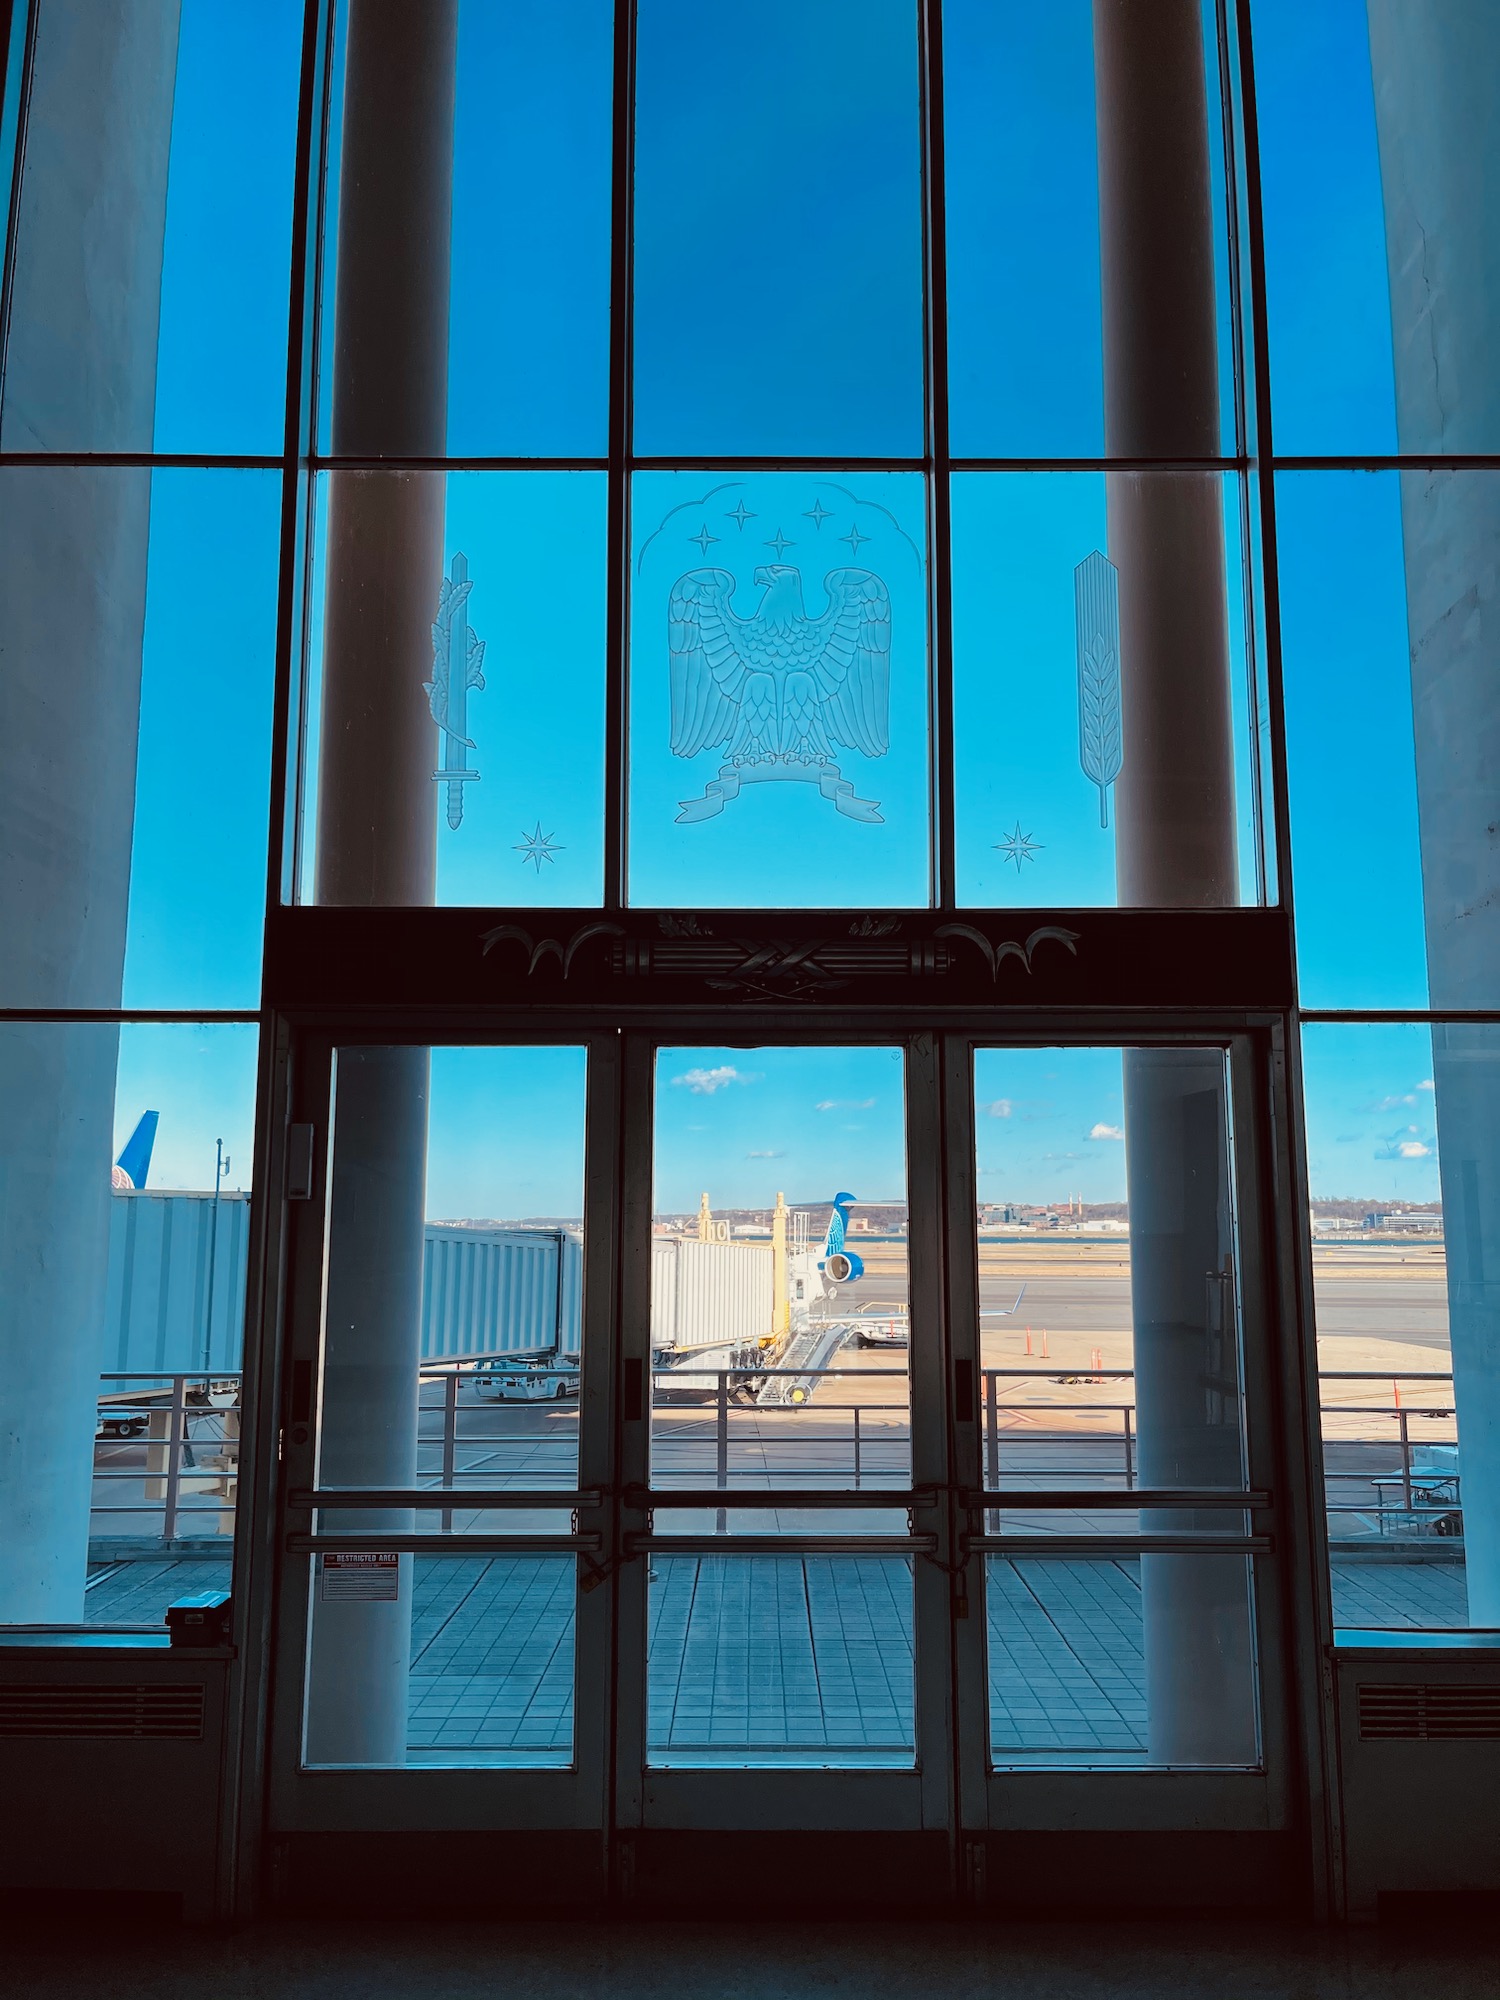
(779,691)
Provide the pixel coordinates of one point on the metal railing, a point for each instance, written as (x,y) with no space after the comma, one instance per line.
(166,1457)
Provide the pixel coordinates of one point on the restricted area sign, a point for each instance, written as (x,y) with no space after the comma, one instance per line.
(364,1575)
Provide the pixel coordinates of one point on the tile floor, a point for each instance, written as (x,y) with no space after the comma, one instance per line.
(786,1654)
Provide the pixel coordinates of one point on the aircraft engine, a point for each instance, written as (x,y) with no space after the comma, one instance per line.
(843,1267)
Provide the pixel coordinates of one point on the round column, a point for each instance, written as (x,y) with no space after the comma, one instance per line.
(1175,838)
(377,804)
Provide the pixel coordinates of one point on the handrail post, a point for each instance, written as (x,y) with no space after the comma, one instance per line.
(450,1439)
(856,1447)
(1402,1420)
(176,1438)
(1129,1454)
(721,1429)
(991,1428)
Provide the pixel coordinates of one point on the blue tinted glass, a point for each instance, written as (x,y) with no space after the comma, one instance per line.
(1025,366)
(1326,292)
(203,769)
(1401,1124)
(226,261)
(149,285)
(1351,774)
(1040,680)
(778,229)
(125,1230)
(526,196)
(528,352)
(138,622)
(778,690)
(518,808)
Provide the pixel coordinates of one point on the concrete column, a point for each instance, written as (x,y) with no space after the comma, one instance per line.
(1200,1669)
(1174,841)
(80,375)
(1174,799)
(1434,66)
(377,803)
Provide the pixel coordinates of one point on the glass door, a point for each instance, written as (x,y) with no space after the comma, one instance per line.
(784,1645)
(869,1435)
(446,1455)
(1115,1468)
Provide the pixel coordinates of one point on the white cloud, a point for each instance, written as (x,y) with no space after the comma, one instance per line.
(1001,1108)
(1392,1103)
(704,1082)
(765,1156)
(1106,1132)
(845,1104)
(1413,1149)
(1426,1083)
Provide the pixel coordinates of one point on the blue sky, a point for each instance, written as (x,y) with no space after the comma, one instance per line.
(506,1129)
(1370,1127)
(742,1123)
(777,308)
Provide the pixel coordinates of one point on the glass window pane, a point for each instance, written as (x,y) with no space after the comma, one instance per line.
(486,1233)
(151,276)
(1022,169)
(779,690)
(1023,225)
(1393,734)
(469,767)
(124,1229)
(1080,700)
(138,624)
(781,1660)
(518,307)
(778,229)
(1087,1671)
(1328,301)
(1379,135)
(1104,1307)
(1401,1154)
(780,1332)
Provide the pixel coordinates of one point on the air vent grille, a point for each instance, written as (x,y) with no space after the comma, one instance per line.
(1412,1712)
(36,1708)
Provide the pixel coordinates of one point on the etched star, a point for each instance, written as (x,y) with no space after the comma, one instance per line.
(740,514)
(779,542)
(703,538)
(854,538)
(537,847)
(1019,847)
(817,513)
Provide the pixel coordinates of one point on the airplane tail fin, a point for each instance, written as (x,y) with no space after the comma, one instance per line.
(838,1223)
(135,1156)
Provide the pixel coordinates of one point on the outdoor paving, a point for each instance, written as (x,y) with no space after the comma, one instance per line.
(790,1655)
